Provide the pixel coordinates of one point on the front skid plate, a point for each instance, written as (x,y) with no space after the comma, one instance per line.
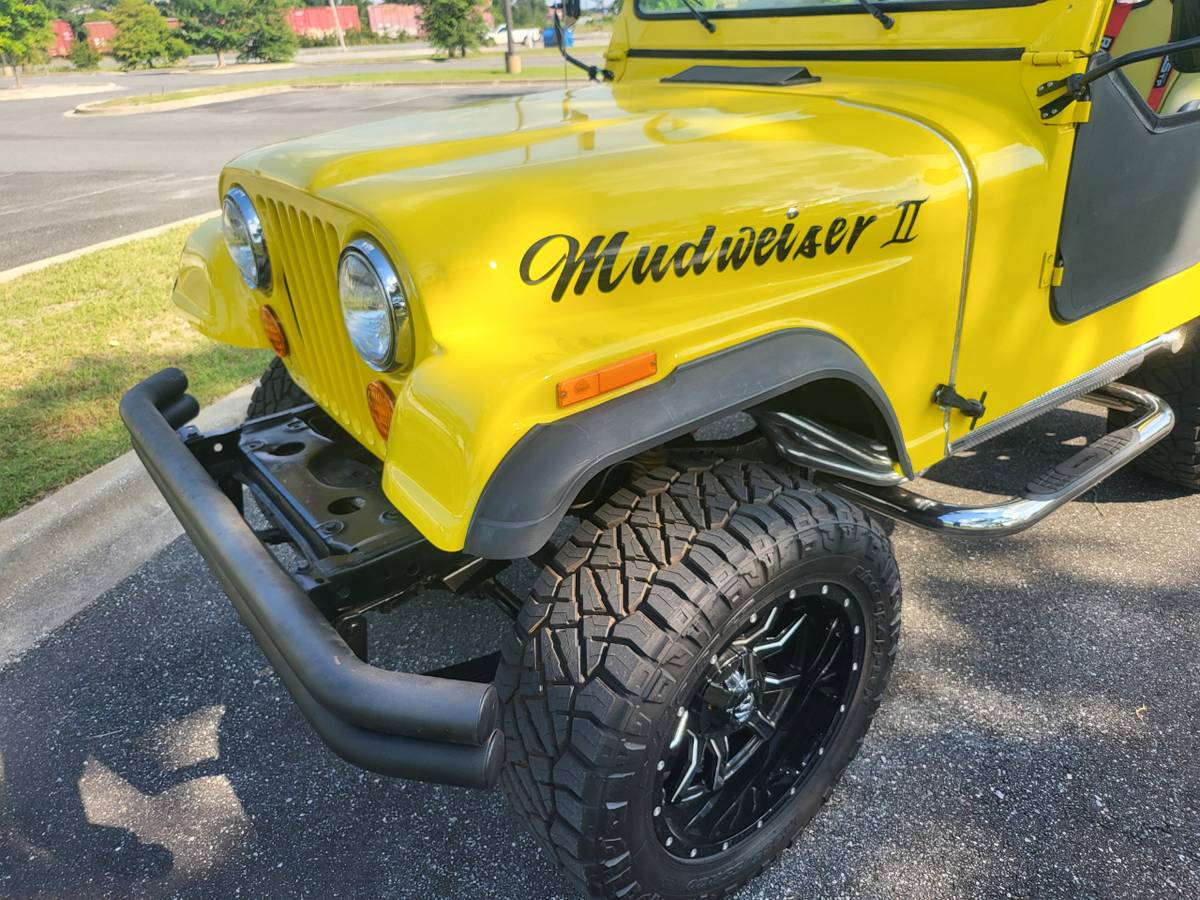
(322,489)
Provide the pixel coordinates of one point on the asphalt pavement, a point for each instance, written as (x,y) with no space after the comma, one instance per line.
(1039,738)
(71,181)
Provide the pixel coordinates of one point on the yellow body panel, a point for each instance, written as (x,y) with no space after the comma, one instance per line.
(482,208)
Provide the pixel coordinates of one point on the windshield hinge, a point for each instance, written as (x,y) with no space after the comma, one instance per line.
(1052,271)
(1048,58)
(945,396)
(1041,81)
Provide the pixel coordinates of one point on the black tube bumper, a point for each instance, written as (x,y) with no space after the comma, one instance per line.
(394,723)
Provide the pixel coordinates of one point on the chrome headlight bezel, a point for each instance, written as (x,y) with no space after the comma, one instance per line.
(240,224)
(396,349)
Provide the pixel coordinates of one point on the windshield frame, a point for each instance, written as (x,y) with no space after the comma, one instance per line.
(843,8)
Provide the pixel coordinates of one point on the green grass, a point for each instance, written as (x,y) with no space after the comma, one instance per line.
(143,99)
(73,337)
(425,76)
(400,77)
(483,55)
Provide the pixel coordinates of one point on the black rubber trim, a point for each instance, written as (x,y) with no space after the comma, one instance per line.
(838,9)
(932,54)
(395,723)
(530,491)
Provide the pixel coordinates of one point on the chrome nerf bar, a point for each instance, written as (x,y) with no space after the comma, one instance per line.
(1042,496)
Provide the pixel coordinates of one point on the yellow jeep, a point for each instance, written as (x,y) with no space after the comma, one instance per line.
(683,337)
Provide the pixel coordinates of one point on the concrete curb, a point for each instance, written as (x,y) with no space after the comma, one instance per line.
(49,92)
(10,274)
(236,68)
(95,109)
(63,552)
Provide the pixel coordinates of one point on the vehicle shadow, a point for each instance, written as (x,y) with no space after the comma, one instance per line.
(1006,463)
(147,749)
(1039,727)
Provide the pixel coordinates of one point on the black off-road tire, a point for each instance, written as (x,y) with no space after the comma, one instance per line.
(275,392)
(592,675)
(1176,378)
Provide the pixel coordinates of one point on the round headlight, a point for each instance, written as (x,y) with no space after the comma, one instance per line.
(244,238)
(374,306)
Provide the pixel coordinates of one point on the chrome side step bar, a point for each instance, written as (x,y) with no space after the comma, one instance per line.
(1103,374)
(1043,495)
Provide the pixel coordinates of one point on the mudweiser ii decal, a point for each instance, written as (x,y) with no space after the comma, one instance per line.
(573,264)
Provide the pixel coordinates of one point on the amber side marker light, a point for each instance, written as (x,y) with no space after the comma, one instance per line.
(381,403)
(274,330)
(593,384)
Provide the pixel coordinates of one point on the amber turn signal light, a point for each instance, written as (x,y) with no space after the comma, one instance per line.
(593,384)
(274,329)
(381,403)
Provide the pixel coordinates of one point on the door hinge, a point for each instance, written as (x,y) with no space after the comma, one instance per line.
(945,396)
(1052,271)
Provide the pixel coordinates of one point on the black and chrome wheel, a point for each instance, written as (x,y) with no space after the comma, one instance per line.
(757,724)
(692,675)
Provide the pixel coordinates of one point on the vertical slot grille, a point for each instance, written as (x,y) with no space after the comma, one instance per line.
(307,250)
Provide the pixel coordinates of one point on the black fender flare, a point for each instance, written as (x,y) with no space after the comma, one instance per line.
(530,491)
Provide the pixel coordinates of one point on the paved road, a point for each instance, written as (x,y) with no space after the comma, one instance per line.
(1039,740)
(70,181)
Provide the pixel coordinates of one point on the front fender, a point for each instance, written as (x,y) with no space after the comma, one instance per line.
(211,293)
(537,480)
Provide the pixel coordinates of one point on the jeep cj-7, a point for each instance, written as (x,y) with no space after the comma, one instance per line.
(865,235)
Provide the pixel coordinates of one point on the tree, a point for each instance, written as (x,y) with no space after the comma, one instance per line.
(214,25)
(24,32)
(525,13)
(143,37)
(83,55)
(453,25)
(268,36)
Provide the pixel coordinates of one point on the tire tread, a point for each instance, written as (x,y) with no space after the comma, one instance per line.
(628,601)
(1176,378)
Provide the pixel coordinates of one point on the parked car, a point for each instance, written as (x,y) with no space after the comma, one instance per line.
(550,37)
(862,250)
(526,37)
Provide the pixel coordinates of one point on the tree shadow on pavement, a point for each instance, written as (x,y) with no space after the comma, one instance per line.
(147,749)
(1039,738)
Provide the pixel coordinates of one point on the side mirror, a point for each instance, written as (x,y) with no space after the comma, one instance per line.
(1185,24)
(571,11)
